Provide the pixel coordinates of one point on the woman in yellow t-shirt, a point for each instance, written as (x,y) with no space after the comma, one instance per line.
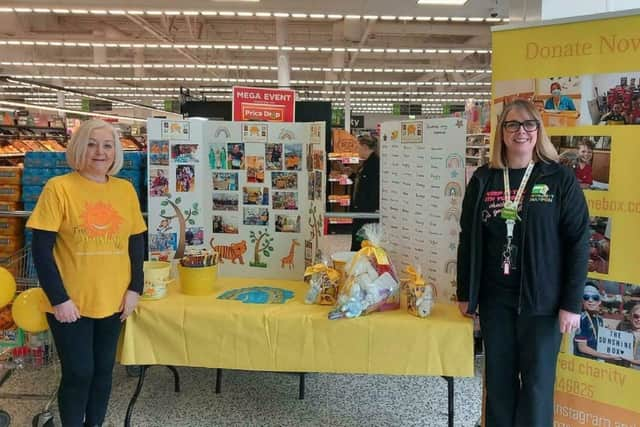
(88,250)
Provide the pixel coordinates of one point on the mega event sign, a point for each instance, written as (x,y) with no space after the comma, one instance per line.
(269,105)
(595,64)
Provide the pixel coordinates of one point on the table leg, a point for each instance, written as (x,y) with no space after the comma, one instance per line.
(136,393)
(450,414)
(301,386)
(218,380)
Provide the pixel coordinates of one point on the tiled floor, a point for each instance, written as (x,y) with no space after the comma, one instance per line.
(266,399)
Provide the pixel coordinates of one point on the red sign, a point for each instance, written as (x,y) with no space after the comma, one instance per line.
(267,105)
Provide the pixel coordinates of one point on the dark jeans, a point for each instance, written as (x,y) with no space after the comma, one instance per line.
(521,352)
(87,351)
(356,241)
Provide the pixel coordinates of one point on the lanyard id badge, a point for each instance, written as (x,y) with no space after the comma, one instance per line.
(510,213)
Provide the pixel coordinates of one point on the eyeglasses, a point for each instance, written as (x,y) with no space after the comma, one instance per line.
(591,297)
(514,125)
(636,316)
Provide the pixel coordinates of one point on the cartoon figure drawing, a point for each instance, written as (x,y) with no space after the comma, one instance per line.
(288,260)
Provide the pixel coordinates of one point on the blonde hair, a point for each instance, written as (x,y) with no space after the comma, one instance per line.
(77,147)
(544,151)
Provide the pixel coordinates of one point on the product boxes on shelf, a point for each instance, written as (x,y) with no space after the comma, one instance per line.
(10,192)
(11,226)
(30,193)
(39,176)
(45,159)
(10,174)
(134,160)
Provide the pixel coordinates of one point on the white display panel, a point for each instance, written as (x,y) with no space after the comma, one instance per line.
(422,185)
(246,189)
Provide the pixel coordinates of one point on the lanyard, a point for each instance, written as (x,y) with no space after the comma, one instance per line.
(510,213)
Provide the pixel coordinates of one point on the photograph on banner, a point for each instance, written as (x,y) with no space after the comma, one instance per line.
(316,133)
(176,130)
(226,224)
(235,158)
(185,178)
(273,155)
(599,244)
(609,324)
(318,159)
(411,131)
(225,201)
(225,181)
(588,156)
(165,225)
(285,200)
(311,186)
(284,180)
(613,99)
(163,241)
(158,182)
(159,153)
(184,153)
(255,216)
(288,223)
(317,185)
(557,98)
(255,195)
(255,169)
(194,236)
(165,256)
(217,156)
(293,157)
(254,132)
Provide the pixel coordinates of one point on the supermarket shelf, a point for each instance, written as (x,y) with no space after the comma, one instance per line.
(11,155)
(473,157)
(478,146)
(359,215)
(349,182)
(478,134)
(33,128)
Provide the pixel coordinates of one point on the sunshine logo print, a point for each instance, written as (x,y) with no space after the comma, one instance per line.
(99,223)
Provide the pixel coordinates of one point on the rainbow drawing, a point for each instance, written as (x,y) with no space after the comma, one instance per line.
(222,130)
(450,266)
(453,189)
(286,134)
(455,160)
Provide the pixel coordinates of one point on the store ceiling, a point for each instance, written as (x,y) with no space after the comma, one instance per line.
(143,51)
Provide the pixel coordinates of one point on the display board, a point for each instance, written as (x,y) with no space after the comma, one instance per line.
(597,66)
(252,191)
(422,185)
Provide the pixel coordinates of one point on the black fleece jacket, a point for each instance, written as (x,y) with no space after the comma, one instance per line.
(555,241)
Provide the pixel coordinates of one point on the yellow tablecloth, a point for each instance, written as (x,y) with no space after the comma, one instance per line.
(182,330)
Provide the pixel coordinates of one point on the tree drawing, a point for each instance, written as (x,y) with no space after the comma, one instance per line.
(263,246)
(184,217)
(315,222)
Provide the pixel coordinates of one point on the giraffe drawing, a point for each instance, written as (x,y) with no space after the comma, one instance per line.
(288,260)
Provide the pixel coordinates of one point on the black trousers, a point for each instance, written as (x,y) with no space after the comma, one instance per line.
(521,352)
(87,352)
(356,241)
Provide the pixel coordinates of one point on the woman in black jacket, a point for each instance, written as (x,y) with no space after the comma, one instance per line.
(366,190)
(522,259)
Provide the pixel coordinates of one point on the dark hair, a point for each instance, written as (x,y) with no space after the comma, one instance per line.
(586,142)
(369,141)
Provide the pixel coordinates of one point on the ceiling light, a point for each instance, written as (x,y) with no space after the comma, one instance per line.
(64,110)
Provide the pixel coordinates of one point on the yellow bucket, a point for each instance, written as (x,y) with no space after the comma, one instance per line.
(156,271)
(197,281)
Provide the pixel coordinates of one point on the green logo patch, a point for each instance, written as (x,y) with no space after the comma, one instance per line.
(540,190)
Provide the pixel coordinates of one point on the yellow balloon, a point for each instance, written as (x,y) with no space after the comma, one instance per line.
(29,310)
(7,287)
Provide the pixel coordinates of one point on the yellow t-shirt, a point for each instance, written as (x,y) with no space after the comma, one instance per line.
(93,222)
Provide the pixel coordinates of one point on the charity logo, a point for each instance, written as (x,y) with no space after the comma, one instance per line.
(540,189)
(100,219)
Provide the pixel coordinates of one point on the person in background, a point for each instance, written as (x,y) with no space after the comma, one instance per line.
(585,340)
(583,169)
(522,259)
(366,188)
(632,324)
(634,114)
(558,101)
(88,250)
(616,116)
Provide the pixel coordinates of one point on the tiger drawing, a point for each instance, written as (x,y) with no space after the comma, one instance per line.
(231,252)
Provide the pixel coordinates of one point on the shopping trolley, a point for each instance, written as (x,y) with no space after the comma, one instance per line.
(37,352)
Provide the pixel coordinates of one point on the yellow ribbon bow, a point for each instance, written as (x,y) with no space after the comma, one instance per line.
(414,276)
(333,274)
(368,248)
